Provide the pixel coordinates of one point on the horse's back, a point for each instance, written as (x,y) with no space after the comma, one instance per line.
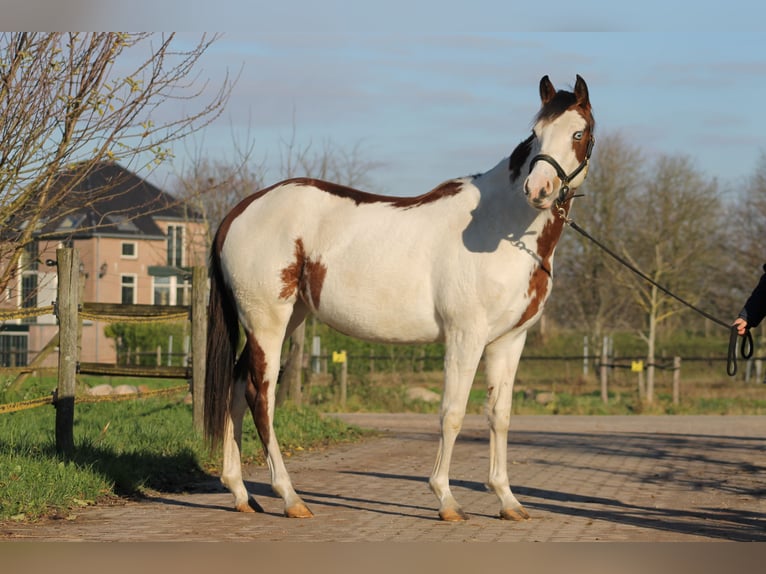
(379,268)
(362,263)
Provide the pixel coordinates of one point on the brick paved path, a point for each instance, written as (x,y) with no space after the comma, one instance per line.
(642,478)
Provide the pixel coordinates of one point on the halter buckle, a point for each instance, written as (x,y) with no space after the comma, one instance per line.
(561,212)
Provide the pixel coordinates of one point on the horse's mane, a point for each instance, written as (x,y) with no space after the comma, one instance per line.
(560,103)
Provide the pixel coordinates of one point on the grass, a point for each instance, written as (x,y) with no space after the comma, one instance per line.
(540,393)
(126,449)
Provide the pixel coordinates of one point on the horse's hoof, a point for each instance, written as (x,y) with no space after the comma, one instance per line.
(249,506)
(244,507)
(516,515)
(453,515)
(299,510)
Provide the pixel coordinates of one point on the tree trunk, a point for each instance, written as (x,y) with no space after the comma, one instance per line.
(650,343)
(290,381)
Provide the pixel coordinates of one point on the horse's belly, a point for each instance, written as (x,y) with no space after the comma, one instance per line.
(381,313)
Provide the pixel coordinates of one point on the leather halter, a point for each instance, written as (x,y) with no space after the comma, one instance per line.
(565,179)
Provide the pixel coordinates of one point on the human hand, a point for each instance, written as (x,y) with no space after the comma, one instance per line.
(741,325)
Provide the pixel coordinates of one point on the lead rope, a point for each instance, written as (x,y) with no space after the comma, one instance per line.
(746,348)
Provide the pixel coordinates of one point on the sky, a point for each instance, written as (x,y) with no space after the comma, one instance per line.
(429,91)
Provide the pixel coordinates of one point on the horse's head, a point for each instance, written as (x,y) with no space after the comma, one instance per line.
(564,133)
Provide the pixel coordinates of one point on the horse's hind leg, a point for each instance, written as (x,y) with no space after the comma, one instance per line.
(231,476)
(265,351)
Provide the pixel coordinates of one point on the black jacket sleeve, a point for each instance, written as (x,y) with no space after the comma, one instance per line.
(755,308)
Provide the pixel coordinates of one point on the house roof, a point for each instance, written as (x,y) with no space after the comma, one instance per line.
(111,200)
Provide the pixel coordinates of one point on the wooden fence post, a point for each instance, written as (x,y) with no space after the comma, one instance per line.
(199,344)
(343,379)
(676,380)
(604,372)
(585,356)
(67,310)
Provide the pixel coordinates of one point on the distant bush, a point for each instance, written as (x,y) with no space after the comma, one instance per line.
(137,343)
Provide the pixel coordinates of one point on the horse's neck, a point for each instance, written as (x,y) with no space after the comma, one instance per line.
(503,215)
(504,199)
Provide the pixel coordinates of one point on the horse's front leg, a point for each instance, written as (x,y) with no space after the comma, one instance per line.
(462,358)
(502,360)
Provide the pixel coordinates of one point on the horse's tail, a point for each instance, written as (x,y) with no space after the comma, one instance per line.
(222,341)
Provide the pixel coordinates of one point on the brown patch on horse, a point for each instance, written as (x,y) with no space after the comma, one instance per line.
(538,289)
(581,147)
(313,279)
(291,275)
(304,276)
(583,107)
(252,364)
(446,189)
(539,281)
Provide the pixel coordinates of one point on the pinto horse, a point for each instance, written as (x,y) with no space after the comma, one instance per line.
(468,263)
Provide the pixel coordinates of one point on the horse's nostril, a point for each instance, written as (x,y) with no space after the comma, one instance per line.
(526,188)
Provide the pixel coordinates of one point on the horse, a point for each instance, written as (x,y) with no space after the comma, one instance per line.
(469,264)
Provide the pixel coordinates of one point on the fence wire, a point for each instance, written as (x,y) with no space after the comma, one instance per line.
(51,400)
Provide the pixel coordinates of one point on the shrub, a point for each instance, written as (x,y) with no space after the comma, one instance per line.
(137,343)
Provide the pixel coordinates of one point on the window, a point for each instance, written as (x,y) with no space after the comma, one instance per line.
(175,245)
(183,293)
(13,350)
(171,291)
(28,263)
(128,284)
(129,250)
(29,294)
(30,257)
(162,290)
(29,289)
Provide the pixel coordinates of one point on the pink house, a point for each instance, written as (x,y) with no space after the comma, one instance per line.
(137,244)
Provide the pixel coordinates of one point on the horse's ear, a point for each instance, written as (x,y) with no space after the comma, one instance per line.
(547,91)
(581,92)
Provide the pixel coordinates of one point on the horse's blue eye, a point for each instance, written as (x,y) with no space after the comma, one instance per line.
(578,136)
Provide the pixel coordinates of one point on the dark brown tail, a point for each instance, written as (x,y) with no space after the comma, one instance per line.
(222,341)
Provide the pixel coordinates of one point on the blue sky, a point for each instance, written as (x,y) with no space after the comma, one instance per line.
(432,91)
(436,106)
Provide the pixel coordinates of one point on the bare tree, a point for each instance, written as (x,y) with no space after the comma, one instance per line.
(582,270)
(742,264)
(69,101)
(329,162)
(747,226)
(213,187)
(672,233)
